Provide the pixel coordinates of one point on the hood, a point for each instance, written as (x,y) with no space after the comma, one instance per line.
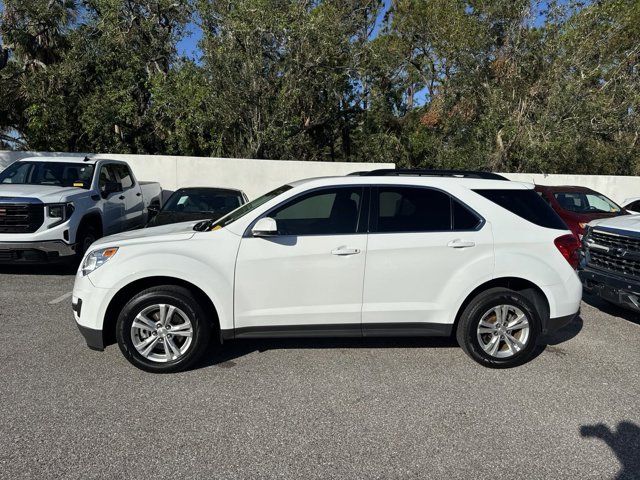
(166,218)
(44,193)
(587,217)
(165,233)
(622,222)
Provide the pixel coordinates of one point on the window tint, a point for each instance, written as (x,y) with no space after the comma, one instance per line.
(324,212)
(526,204)
(107,174)
(409,209)
(125,176)
(463,218)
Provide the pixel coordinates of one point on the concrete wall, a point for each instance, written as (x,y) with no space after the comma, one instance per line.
(259,176)
(254,177)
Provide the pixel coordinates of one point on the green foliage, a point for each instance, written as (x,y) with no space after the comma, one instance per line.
(509,85)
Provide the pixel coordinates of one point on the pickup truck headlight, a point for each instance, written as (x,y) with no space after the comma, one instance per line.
(60,211)
(97,258)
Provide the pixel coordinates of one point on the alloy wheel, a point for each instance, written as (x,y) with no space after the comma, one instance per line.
(503,331)
(162,333)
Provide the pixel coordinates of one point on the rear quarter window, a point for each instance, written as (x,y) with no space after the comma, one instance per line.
(527,204)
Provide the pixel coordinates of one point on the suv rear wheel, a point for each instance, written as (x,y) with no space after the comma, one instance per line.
(163,329)
(499,328)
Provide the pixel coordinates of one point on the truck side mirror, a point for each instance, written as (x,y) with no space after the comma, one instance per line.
(265,227)
(111,187)
(153,210)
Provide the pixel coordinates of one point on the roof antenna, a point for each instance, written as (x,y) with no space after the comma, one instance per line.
(86,159)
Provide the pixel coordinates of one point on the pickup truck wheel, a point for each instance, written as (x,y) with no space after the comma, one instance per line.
(86,236)
(163,329)
(499,328)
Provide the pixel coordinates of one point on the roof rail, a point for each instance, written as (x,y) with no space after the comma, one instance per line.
(391,172)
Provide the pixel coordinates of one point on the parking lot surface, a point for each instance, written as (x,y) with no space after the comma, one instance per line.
(387,408)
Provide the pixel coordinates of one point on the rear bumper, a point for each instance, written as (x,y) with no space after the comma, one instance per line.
(621,291)
(35,252)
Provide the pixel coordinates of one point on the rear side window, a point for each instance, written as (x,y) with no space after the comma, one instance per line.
(463,218)
(408,209)
(526,204)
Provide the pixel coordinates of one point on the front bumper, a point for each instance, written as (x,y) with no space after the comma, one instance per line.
(621,291)
(35,252)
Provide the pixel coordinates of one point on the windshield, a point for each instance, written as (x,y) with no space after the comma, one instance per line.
(586,202)
(48,173)
(199,200)
(246,208)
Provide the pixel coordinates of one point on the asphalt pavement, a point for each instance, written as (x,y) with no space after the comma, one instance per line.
(349,408)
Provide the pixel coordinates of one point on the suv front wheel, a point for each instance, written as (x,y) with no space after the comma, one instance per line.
(499,328)
(163,329)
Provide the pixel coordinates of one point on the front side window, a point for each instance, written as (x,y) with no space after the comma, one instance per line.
(331,211)
(59,174)
(107,175)
(411,209)
(585,202)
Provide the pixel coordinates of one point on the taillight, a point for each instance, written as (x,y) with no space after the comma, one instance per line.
(568,245)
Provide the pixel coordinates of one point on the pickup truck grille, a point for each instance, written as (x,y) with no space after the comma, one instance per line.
(615,241)
(614,253)
(21,218)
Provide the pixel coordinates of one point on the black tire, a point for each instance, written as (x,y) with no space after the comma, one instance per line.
(467,333)
(87,234)
(185,301)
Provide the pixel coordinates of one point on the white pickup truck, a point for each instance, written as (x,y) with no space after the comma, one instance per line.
(54,208)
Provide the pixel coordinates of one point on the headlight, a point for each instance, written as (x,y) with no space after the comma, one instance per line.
(60,211)
(97,258)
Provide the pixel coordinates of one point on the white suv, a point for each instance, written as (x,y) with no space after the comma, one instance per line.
(361,256)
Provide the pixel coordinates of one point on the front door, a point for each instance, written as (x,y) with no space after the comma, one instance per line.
(113,217)
(307,279)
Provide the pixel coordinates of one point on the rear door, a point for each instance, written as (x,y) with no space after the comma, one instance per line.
(131,197)
(423,248)
(307,279)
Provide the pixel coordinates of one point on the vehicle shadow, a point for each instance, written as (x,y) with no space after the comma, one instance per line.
(59,269)
(223,357)
(611,309)
(625,443)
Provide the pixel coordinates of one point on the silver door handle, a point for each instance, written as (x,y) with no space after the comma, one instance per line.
(457,243)
(342,251)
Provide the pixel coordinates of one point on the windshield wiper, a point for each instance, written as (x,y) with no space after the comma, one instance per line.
(203,226)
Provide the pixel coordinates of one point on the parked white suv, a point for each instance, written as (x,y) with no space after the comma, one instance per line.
(486,260)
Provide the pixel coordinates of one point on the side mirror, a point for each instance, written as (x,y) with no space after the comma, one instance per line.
(153,210)
(111,187)
(265,227)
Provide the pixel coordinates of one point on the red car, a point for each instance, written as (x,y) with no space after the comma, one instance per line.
(577,206)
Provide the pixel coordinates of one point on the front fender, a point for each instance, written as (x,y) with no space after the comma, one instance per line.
(193,261)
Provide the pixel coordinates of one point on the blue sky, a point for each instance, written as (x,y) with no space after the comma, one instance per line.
(188,46)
